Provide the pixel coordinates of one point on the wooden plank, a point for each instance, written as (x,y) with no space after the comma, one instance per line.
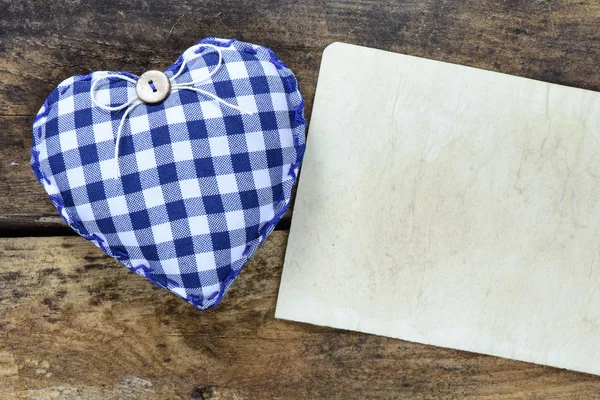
(75,322)
(42,43)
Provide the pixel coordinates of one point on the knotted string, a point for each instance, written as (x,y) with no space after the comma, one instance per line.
(131,104)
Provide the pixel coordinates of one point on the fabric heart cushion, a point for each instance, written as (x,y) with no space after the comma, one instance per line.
(185,190)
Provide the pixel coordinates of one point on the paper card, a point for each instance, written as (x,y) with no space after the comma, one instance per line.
(450,206)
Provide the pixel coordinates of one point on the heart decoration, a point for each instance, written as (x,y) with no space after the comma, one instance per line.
(180,175)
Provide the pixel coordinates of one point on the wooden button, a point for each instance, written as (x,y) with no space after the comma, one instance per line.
(153,87)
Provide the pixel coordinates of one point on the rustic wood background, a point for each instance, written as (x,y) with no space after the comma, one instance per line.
(75,325)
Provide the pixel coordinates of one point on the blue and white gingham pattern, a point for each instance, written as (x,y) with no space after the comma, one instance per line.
(201,185)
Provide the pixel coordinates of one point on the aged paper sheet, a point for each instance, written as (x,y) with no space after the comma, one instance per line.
(450,206)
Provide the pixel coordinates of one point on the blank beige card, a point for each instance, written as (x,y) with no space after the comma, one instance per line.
(450,206)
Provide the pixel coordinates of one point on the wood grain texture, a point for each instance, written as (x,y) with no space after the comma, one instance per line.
(42,43)
(76,325)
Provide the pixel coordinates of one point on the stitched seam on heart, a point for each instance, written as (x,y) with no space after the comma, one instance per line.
(263,232)
(209,40)
(297,131)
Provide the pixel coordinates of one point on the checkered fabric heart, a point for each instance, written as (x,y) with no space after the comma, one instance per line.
(198,185)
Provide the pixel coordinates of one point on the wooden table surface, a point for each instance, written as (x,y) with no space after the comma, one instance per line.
(76,325)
